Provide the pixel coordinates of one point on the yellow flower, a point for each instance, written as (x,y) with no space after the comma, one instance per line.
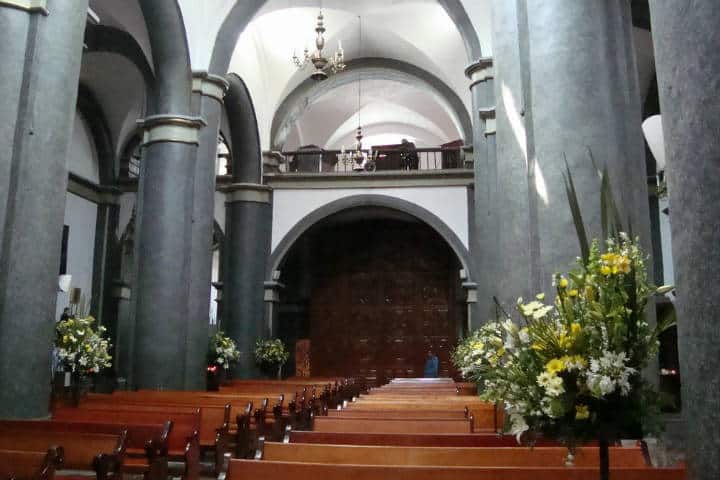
(575,329)
(623,264)
(478,345)
(563,283)
(605,270)
(582,412)
(589,293)
(65,338)
(555,365)
(70,322)
(573,292)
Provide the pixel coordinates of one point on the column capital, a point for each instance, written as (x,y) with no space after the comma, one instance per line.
(471,289)
(488,115)
(171,128)
(480,71)
(247,192)
(30,6)
(209,85)
(272,291)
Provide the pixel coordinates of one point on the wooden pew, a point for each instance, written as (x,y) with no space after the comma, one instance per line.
(182,441)
(104,454)
(214,426)
(409,414)
(270,470)
(409,440)
(29,465)
(151,440)
(392,425)
(458,456)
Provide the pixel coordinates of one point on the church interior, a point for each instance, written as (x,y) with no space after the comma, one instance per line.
(273,238)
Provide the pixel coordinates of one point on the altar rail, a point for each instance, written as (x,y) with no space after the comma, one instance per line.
(335,161)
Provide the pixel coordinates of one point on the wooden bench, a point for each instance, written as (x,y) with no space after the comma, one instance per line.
(392,425)
(214,426)
(29,465)
(182,443)
(271,470)
(149,439)
(97,452)
(459,456)
(404,439)
(409,414)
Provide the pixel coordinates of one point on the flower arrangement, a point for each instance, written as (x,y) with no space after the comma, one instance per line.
(80,348)
(222,350)
(271,352)
(571,369)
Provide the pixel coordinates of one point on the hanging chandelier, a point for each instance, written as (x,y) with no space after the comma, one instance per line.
(336,63)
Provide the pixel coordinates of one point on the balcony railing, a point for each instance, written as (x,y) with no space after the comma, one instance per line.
(335,161)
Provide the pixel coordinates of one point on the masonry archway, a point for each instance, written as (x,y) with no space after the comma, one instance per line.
(370,285)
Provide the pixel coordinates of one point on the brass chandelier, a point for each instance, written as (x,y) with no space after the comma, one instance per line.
(336,63)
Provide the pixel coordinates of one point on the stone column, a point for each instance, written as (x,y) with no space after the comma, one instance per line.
(484,241)
(40,54)
(248,232)
(272,304)
(210,89)
(124,333)
(164,240)
(566,84)
(686,41)
(105,260)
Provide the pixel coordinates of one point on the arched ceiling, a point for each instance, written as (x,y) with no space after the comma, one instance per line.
(395,94)
(417,32)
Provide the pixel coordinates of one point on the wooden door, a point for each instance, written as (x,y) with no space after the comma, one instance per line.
(378,307)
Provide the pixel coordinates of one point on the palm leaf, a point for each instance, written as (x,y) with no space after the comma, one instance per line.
(576,214)
(611,222)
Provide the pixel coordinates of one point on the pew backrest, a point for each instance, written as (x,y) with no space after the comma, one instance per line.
(29,465)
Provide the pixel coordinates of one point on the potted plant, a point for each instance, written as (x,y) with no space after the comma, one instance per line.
(222,352)
(271,354)
(81,351)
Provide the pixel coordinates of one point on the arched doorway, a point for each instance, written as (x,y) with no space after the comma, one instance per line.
(372,289)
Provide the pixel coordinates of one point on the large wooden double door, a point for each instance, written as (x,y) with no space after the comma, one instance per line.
(377,309)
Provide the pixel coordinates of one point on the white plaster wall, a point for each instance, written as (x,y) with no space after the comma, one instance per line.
(448,203)
(80,216)
(83,159)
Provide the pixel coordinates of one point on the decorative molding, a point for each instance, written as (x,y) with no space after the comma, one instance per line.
(31,6)
(471,288)
(488,115)
(480,71)
(121,291)
(272,291)
(91,191)
(209,85)
(460,177)
(247,192)
(171,128)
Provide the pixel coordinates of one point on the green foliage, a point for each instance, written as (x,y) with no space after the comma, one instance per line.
(222,350)
(272,352)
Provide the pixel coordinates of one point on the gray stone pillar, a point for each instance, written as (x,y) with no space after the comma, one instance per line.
(566,82)
(686,39)
(483,241)
(163,245)
(210,89)
(248,234)
(124,332)
(40,53)
(272,304)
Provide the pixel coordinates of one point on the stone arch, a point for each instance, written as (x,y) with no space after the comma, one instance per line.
(246,151)
(280,252)
(243,12)
(295,103)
